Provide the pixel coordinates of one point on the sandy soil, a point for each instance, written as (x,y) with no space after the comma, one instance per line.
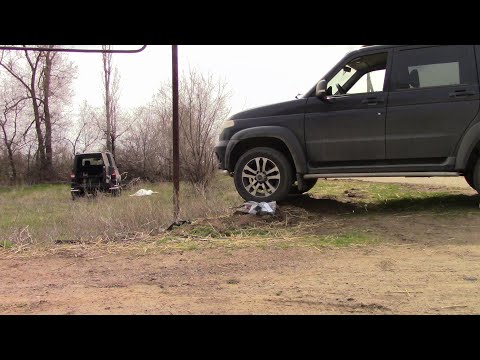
(401,279)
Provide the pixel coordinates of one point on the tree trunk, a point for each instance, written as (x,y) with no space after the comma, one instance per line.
(29,157)
(42,159)
(47,117)
(41,142)
(113,145)
(11,162)
(12,165)
(107,58)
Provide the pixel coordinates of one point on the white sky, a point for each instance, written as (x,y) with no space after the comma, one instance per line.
(256,74)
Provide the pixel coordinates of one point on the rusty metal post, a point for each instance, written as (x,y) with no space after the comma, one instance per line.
(176,157)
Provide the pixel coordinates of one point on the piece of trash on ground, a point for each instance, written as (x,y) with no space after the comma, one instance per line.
(262,208)
(143,192)
(61,241)
(178,223)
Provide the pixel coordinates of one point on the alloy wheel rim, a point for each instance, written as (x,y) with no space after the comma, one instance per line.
(261,177)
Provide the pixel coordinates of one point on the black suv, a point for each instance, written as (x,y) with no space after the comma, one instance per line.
(383,110)
(93,172)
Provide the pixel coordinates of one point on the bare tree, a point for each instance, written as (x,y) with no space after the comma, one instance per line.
(203,106)
(47,71)
(26,67)
(84,134)
(12,102)
(111,83)
(143,149)
(107,74)
(116,116)
(45,78)
(56,93)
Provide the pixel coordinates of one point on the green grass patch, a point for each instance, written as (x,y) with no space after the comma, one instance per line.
(264,236)
(330,240)
(6,244)
(378,197)
(206,231)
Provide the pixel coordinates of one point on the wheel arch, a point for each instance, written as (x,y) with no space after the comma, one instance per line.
(469,149)
(276,137)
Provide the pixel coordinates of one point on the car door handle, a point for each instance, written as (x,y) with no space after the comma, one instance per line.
(372,101)
(461,93)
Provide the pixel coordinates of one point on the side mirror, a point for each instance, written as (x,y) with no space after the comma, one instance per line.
(321,89)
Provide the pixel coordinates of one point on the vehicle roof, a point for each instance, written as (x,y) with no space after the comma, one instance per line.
(373,47)
(94,153)
(358,51)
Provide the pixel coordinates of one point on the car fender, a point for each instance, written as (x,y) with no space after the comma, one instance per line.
(278,132)
(467,144)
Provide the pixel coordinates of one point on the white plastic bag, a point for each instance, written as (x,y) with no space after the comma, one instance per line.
(261,208)
(143,192)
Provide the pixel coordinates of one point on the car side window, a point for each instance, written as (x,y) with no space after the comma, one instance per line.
(433,66)
(361,75)
(372,81)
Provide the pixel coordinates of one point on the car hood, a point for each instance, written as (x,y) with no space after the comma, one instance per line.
(277,109)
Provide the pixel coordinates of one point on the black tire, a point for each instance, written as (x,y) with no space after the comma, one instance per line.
(469,174)
(76,195)
(475,176)
(271,182)
(469,179)
(309,184)
(116,192)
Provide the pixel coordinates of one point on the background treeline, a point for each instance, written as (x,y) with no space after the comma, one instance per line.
(41,131)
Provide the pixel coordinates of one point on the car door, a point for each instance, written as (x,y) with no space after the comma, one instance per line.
(348,126)
(433,97)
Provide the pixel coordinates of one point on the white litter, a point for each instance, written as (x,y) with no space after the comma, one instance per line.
(143,192)
(261,208)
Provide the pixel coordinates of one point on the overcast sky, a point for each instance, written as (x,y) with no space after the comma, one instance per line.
(257,74)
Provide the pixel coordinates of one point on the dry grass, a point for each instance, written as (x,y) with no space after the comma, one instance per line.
(43,219)
(44,215)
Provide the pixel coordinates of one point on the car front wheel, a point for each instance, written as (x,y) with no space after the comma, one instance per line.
(263,174)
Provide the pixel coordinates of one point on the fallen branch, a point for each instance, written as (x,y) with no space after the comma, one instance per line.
(62,267)
(454,306)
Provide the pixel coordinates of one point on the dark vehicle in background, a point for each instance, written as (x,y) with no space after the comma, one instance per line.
(94,172)
(383,110)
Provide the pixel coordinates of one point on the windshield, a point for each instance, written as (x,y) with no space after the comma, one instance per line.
(361,75)
(89,160)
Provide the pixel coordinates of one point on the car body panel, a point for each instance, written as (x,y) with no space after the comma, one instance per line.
(415,130)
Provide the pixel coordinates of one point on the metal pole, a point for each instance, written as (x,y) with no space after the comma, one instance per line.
(176,157)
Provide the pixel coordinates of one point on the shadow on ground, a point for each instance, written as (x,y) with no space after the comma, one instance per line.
(433,203)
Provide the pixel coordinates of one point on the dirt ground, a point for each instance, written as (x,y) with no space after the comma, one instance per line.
(424,265)
(410,279)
